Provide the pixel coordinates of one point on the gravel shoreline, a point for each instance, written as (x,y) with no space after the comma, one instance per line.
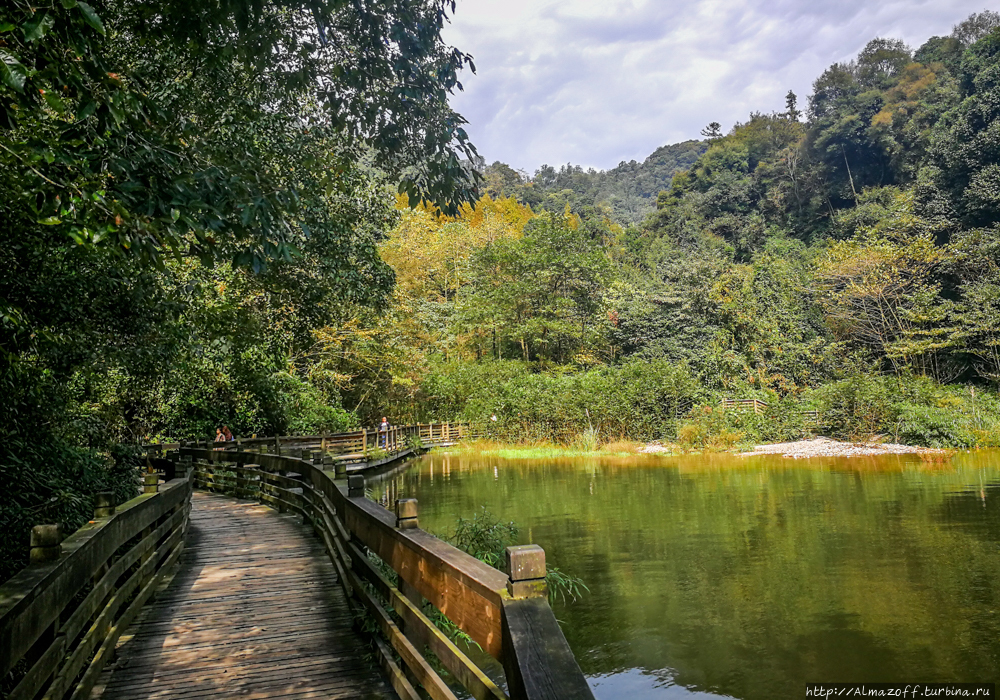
(825,447)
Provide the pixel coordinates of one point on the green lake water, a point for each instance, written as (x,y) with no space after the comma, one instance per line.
(722,576)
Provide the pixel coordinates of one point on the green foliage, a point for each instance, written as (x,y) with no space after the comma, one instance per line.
(635,400)
(908,409)
(187,192)
(539,295)
(414,442)
(54,483)
(785,256)
(485,537)
(374,454)
(967,146)
(856,408)
(306,410)
(562,585)
(588,440)
(714,428)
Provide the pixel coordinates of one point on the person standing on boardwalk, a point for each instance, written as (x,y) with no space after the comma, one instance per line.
(227,433)
(383,428)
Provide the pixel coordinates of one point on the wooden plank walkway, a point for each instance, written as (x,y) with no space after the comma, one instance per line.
(254,611)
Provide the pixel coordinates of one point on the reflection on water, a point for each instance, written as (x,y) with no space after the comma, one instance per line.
(721,576)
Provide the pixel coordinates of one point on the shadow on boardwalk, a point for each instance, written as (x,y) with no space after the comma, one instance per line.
(254,611)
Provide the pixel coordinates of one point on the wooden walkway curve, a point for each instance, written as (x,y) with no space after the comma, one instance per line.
(254,611)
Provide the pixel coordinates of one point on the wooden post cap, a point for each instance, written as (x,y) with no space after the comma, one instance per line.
(356,485)
(46,542)
(48,535)
(526,568)
(340,469)
(150,483)
(406,513)
(525,561)
(104,504)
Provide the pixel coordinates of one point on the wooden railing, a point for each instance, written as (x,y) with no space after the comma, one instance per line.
(809,416)
(61,616)
(755,405)
(356,447)
(391,568)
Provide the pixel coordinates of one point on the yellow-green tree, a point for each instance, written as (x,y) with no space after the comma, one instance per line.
(880,290)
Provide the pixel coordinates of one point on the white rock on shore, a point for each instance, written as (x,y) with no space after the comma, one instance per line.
(825,447)
(655,448)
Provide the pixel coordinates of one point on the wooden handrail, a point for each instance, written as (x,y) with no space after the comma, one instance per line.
(398,438)
(45,624)
(510,619)
(756,405)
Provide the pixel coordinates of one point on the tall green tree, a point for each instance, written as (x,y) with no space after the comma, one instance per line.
(542,292)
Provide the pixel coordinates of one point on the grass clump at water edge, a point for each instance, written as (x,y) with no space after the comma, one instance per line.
(545,449)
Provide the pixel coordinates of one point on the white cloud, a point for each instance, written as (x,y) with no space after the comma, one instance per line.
(596,82)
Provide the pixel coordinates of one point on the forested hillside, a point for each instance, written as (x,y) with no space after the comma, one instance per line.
(626,193)
(842,256)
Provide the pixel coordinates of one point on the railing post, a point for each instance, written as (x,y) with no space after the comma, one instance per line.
(104,504)
(356,485)
(364,441)
(340,469)
(537,661)
(46,543)
(406,513)
(150,482)
(406,519)
(526,569)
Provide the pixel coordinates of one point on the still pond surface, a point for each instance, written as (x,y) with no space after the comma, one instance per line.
(719,576)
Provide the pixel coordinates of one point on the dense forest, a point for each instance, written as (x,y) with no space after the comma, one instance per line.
(266,215)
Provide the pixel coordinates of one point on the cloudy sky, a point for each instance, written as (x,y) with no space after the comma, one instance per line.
(595,82)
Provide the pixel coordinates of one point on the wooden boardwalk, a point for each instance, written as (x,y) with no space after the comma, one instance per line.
(255,611)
